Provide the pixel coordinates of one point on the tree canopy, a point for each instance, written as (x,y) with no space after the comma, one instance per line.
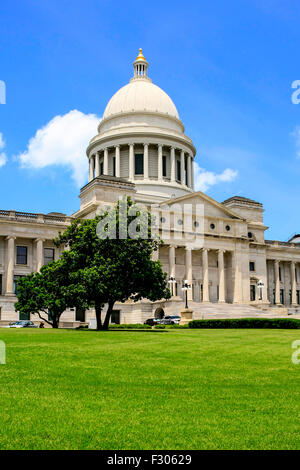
(49,293)
(110,257)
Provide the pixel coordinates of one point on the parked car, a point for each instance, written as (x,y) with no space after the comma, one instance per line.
(171,320)
(153,321)
(23,324)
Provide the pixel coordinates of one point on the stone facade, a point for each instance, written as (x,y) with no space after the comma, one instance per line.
(219,248)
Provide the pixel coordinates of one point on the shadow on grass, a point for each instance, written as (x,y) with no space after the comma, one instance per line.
(118,330)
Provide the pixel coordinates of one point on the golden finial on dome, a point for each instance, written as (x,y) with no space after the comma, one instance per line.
(140,56)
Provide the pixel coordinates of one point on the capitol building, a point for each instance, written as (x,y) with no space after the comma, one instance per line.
(141,150)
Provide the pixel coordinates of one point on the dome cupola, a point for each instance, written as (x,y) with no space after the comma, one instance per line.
(141,138)
(140,66)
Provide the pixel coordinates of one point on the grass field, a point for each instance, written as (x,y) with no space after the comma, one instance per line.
(199,389)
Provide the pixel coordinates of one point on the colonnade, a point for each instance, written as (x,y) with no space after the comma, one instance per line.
(205,272)
(186,164)
(11,261)
(278,279)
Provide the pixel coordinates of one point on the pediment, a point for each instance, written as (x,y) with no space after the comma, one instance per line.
(210,207)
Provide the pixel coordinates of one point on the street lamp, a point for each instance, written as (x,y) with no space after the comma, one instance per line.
(185,287)
(172,282)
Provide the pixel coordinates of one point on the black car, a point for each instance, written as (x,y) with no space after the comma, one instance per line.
(152,321)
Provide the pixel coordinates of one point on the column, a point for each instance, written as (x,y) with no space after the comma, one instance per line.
(205,275)
(91,168)
(293,284)
(10,265)
(237,294)
(189,171)
(97,165)
(182,167)
(117,155)
(155,255)
(221,276)
(192,173)
(131,161)
(189,271)
(105,162)
(277,282)
(172,266)
(146,161)
(39,254)
(159,168)
(173,174)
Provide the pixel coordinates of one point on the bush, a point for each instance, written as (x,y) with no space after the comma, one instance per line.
(284,323)
(159,327)
(130,326)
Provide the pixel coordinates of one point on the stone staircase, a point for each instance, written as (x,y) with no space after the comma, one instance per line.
(232,311)
(215,310)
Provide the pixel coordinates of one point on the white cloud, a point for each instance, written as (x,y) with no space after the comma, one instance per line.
(63,141)
(205,179)
(3,157)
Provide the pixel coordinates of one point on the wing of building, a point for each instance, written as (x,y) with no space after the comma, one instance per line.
(220,249)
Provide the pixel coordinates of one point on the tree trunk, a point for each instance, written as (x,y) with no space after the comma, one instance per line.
(111,304)
(55,322)
(98,310)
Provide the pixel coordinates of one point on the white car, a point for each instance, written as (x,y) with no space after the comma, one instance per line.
(23,324)
(171,320)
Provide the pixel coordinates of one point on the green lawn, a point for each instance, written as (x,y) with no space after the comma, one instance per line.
(193,389)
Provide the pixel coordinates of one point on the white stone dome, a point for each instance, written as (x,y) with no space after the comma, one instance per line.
(140,95)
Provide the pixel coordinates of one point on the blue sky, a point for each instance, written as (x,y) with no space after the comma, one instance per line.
(227,65)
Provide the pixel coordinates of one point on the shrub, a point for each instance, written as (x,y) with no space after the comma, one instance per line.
(159,327)
(130,326)
(284,323)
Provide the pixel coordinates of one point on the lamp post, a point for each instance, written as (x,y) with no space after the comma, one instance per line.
(185,287)
(172,282)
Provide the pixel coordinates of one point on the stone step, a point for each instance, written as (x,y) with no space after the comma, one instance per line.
(215,310)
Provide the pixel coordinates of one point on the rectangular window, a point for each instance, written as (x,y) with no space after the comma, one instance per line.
(114,166)
(280,279)
(48,255)
(21,254)
(101,168)
(282,296)
(139,164)
(115,317)
(252,266)
(164,164)
(298,297)
(80,314)
(16,278)
(296,275)
(178,170)
(252,293)
(0,284)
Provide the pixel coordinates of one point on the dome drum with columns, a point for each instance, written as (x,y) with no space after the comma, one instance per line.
(141,139)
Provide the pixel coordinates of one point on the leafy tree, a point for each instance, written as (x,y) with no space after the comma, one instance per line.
(111,258)
(49,292)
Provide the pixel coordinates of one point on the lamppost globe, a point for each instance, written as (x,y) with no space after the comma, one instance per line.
(185,287)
